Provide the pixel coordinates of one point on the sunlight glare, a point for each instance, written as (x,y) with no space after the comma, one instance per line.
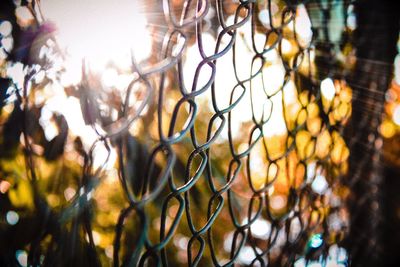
(328,89)
(15,71)
(303,26)
(396,115)
(22,257)
(278,202)
(12,217)
(260,228)
(73,73)
(109,34)
(4,186)
(5,28)
(319,184)
(246,255)
(69,193)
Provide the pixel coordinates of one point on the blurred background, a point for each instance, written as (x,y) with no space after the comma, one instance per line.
(199,133)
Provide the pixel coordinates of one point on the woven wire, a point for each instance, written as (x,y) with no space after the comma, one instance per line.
(196,184)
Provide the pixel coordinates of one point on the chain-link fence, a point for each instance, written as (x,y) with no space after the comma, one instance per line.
(222,147)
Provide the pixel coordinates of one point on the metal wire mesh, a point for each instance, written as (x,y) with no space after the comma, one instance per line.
(212,174)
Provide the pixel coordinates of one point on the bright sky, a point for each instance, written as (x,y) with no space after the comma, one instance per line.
(100,30)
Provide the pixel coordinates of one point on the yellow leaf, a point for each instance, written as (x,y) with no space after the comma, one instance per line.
(21,195)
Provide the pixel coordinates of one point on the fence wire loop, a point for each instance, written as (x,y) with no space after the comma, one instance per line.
(235,164)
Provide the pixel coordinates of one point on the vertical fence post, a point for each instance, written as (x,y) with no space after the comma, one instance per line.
(375,42)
